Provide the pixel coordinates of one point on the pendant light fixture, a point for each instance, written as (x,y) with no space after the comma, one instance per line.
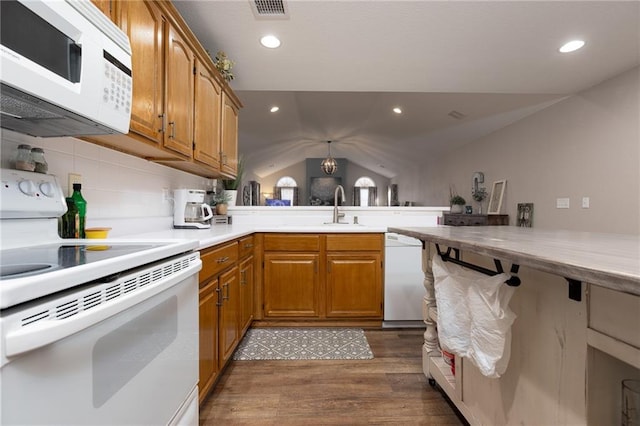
(329,165)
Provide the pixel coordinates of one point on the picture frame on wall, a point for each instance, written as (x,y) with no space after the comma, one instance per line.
(497,193)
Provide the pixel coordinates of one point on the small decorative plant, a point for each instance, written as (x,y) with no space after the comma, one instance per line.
(234,184)
(224,65)
(458,200)
(479,194)
(221,197)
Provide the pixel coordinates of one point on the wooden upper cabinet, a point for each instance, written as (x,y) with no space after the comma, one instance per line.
(229,152)
(183,114)
(208,100)
(106,6)
(144,24)
(179,78)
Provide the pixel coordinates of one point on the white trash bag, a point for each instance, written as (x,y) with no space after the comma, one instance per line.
(474,318)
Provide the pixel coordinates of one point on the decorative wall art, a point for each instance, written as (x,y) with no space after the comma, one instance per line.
(495,202)
(525,215)
(275,202)
(322,190)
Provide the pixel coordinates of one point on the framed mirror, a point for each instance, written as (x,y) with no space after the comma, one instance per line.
(497,192)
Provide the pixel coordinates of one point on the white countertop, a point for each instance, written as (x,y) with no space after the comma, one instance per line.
(608,260)
(222,233)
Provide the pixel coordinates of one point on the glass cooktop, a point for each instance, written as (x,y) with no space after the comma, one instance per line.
(26,261)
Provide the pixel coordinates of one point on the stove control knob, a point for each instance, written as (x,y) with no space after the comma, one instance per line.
(27,187)
(47,189)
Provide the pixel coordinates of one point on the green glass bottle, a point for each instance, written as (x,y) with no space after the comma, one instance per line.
(70,221)
(81,204)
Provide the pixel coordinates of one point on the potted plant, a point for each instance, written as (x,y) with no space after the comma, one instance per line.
(479,195)
(231,186)
(221,200)
(457,203)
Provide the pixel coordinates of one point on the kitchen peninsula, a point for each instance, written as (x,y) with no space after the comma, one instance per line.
(576,333)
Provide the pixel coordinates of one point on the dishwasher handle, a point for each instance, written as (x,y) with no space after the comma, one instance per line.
(45,332)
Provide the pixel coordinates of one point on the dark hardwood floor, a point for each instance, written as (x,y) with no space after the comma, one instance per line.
(388,390)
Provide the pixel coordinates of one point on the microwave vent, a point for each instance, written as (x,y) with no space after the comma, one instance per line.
(269,8)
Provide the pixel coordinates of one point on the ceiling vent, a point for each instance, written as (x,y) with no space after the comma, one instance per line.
(457,115)
(269,9)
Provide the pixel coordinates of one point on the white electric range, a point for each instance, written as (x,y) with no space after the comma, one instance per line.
(92,331)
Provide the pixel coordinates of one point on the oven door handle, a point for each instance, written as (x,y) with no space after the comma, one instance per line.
(43,333)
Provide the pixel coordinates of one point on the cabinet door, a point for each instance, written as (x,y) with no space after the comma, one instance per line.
(291,285)
(208,314)
(143,22)
(105,6)
(228,328)
(229,153)
(354,285)
(246,294)
(208,99)
(179,67)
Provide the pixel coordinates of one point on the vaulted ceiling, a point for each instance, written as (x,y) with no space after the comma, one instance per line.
(343,66)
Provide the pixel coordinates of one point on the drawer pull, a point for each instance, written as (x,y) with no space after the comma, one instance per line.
(222,259)
(248,245)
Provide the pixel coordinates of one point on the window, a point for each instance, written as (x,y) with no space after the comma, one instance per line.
(365,192)
(286,189)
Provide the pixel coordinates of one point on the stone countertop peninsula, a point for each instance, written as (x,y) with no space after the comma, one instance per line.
(607,260)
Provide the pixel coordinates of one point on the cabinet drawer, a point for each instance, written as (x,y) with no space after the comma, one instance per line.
(245,245)
(615,314)
(218,259)
(354,242)
(291,242)
(465,220)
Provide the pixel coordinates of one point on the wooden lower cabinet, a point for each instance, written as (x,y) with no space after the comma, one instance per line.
(226,307)
(291,285)
(208,314)
(354,285)
(228,329)
(322,277)
(247,281)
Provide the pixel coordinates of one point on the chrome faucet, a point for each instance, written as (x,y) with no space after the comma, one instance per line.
(336,215)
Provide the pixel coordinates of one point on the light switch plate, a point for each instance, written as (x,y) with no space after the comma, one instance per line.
(585,202)
(562,203)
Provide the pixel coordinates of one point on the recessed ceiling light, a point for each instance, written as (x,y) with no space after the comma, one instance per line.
(270,41)
(274,109)
(571,46)
(397,110)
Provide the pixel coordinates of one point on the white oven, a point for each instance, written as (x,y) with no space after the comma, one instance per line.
(94,331)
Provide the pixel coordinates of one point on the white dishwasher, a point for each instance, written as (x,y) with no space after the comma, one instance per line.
(403,282)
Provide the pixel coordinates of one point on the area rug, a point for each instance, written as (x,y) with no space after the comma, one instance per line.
(303,344)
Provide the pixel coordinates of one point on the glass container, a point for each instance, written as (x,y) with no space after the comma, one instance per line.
(24,159)
(41,165)
(81,203)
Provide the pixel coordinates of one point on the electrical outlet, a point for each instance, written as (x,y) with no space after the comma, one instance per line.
(166,194)
(73,178)
(585,202)
(562,203)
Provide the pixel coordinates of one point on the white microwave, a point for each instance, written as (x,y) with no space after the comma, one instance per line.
(65,69)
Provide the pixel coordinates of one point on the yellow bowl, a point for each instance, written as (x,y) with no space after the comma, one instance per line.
(97,233)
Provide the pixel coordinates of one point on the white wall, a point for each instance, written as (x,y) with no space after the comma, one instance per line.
(585,146)
(115,185)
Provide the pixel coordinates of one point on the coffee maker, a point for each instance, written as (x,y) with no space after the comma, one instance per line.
(189,209)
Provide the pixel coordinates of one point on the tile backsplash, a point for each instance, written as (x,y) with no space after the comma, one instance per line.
(115,185)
